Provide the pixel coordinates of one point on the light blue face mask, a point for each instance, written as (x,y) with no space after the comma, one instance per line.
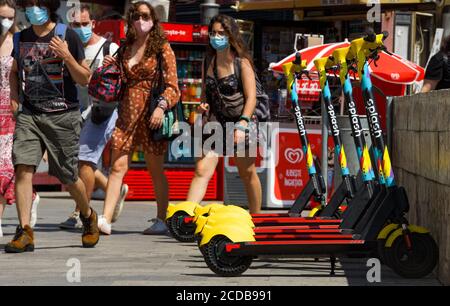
(37,15)
(219,43)
(85,33)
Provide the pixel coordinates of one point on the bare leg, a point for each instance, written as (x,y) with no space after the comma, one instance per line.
(247,172)
(118,170)
(2,206)
(24,193)
(101,181)
(78,192)
(204,170)
(87,175)
(155,166)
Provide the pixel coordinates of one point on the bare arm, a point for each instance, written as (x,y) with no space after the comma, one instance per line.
(14,86)
(429,85)
(249,88)
(79,70)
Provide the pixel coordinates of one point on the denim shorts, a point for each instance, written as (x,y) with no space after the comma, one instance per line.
(94,137)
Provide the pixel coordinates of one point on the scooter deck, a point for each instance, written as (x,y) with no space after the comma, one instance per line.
(293,220)
(303,236)
(297,247)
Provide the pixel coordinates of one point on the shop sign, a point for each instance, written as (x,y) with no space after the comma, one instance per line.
(185,33)
(288,173)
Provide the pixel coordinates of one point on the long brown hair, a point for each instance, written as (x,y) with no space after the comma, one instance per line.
(231,28)
(11,4)
(157,37)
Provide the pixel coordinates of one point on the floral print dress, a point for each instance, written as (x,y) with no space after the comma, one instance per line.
(132,127)
(7,125)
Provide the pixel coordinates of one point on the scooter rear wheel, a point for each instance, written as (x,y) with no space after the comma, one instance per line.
(222,263)
(183,232)
(415,263)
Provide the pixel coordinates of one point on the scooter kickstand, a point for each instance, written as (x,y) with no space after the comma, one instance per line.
(333,265)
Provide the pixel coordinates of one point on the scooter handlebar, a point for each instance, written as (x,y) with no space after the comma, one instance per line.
(370,36)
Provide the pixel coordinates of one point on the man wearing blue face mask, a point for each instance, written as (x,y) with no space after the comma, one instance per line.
(48,61)
(100,117)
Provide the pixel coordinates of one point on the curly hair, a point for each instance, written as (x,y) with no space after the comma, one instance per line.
(157,38)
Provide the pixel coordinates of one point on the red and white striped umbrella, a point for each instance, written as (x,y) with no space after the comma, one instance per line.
(390,68)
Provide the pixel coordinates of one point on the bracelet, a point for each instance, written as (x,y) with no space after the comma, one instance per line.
(241,127)
(162,103)
(245,118)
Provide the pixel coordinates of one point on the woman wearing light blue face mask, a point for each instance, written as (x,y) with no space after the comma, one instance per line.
(227,53)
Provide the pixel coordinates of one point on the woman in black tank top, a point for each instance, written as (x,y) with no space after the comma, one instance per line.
(220,81)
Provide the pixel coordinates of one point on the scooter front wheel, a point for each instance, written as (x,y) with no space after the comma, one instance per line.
(222,263)
(416,262)
(181,231)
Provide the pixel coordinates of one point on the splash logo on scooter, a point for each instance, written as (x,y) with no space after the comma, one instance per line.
(333,120)
(374,119)
(355,120)
(300,124)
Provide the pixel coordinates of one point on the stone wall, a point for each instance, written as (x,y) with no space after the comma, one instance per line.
(421,159)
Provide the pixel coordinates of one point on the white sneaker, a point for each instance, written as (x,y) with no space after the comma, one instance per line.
(103,226)
(34,207)
(158,228)
(119,205)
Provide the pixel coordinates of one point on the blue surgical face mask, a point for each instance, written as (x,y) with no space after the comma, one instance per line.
(37,15)
(219,43)
(85,33)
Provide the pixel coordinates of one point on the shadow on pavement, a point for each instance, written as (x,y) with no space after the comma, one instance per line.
(47,228)
(60,247)
(212,275)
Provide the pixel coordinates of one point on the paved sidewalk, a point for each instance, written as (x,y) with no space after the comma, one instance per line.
(130,258)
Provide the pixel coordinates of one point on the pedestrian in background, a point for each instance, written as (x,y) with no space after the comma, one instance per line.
(437,75)
(100,122)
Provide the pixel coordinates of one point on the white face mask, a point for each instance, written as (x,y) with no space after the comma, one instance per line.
(6,25)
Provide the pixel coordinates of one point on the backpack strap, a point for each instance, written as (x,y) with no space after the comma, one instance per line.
(16,46)
(16,43)
(61,30)
(106,48)
(102,47)
(238,72)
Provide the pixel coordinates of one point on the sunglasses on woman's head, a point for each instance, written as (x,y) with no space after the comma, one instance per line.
(144,16)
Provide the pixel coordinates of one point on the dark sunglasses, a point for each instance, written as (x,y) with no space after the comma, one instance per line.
(144,16)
